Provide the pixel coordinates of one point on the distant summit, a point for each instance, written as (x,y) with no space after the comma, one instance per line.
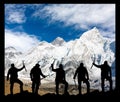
(10,48)
(11,52)
(93,35)
(58,41)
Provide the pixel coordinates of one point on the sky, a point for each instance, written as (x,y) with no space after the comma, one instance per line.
(28,24)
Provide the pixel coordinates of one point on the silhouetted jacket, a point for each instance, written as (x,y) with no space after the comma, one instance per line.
(82,73)
(13,72)
(60,74)
(35,73)
(105,70)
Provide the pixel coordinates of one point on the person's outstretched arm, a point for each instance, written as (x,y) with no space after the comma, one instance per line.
(87,74)
(64,78)
(75,74)
(110,72)
(21,68)
(31,75)
(42,74)
(99,66)
(53,68)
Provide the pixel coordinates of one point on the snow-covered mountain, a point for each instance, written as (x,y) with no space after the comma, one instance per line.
(91,45)
(58,41)
(11,54)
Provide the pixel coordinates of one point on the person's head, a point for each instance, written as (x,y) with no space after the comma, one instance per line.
(37,65)
(105,62)
(60,66)
(12,65)
(81,64)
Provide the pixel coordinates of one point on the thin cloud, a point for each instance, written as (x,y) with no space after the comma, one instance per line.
(15,13)
(80,16)
(20,40)
(108,34)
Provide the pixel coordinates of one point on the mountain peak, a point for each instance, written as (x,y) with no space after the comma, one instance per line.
(95,29)
(92,34)
(11,52)
(10,48)
(58,41)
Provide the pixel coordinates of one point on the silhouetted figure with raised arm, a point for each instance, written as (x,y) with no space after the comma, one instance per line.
(35,74)
(60,78)
(82,75)
(105,74)
(13,73)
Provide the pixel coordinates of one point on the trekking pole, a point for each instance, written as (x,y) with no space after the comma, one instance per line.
(75,84)
(24,65)
(91,66)
(52,63)
(45,77)
(93,62)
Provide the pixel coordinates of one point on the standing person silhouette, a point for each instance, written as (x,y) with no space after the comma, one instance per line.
(105,74)
(82,75)
(13,73)
(60,78)
(35,74)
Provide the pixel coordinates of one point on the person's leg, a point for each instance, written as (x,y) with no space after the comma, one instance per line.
(33,86)
(102,84)
(57,88)
(11,87)
(88,85)
(37,86)
(110,82)
(21,84)
(79,86)
(66,87)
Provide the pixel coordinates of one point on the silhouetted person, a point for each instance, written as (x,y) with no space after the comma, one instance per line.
(82,75)
(105,74)
(35,74)
(13,73)
(60,78)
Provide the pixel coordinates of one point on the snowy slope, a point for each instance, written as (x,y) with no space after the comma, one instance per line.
(91,45)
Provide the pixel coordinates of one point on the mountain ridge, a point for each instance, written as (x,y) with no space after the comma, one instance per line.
(70,54)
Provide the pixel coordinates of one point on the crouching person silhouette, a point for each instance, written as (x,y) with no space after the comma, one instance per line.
(60,78)
(13,73)
(35,74)
(82,75)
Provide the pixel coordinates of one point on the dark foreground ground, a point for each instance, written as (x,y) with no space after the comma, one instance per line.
(94,96)
(93,93)
(47,93)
